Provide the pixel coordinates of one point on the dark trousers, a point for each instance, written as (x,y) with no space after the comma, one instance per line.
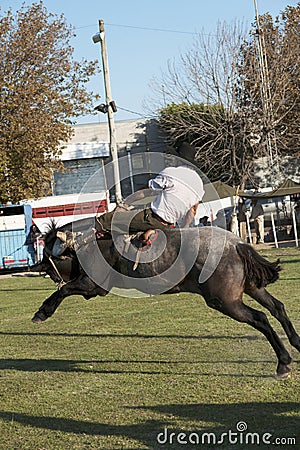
(129,222)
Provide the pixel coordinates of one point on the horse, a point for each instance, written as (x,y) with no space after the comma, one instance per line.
(208,261)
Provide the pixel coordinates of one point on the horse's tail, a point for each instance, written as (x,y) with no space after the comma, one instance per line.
(257,269)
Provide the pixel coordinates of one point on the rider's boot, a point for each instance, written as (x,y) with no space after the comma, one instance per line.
(148,237)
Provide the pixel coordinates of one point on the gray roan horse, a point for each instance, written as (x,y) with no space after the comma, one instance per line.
(236,269)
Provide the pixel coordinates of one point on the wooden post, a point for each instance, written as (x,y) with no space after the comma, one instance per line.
(274,230)
(110,111)
(295,226)
(128,149)
(248,228)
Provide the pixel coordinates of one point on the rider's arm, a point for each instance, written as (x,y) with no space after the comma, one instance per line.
(139,195)
(190,216)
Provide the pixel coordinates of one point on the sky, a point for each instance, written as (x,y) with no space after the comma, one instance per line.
(141,38)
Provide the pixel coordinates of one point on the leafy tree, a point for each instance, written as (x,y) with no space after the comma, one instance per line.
(42,92)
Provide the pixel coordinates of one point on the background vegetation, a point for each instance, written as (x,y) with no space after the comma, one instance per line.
(111,373)
(42,91)
(211,98)
(234,96)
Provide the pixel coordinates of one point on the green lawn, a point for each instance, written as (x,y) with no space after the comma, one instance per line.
(114,372)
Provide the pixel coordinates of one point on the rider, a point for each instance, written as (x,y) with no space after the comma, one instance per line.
(178,192)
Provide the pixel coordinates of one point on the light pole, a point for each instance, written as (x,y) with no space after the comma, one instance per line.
(111,108)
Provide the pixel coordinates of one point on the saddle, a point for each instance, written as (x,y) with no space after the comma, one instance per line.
(68,239)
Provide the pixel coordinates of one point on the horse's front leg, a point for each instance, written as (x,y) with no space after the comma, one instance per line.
(81,286)
(48,307)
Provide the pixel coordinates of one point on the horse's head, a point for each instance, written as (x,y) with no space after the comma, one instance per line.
(59,268)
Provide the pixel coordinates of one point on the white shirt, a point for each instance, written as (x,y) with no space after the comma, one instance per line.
(179,188)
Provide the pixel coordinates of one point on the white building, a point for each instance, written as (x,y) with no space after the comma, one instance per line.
(88,151)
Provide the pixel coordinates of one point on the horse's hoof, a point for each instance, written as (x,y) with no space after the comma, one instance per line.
(39,317)
(282,376)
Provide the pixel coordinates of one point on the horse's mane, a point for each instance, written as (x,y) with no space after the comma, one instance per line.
(51,230)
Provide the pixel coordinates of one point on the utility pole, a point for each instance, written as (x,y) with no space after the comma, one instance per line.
(266,99)
(110,109)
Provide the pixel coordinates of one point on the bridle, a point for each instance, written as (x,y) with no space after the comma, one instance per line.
(62,282)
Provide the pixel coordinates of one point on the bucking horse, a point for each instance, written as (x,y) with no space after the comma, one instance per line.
(208,261)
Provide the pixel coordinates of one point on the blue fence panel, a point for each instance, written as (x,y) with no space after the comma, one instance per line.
(13,251)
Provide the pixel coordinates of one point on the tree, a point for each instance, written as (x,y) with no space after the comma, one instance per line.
(201,105)
(213,98)
(42,92)
(270,89)
(222,139)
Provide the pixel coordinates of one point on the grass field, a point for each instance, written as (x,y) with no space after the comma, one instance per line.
(114,372)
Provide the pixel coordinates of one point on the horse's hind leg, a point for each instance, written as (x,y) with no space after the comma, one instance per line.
(258,320)
(277,310)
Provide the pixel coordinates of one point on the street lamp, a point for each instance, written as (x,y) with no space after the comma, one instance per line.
(96,38)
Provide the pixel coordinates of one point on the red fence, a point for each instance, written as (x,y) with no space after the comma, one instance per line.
(93,207)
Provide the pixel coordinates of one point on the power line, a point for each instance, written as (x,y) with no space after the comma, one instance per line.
(151,29)
(134,112)
(163,30)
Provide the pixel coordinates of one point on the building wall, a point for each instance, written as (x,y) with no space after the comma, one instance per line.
(77,173)
(88,150)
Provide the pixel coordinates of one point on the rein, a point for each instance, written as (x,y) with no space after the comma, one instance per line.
(62,282)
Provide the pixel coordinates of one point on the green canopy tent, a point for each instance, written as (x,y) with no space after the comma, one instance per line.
(218,190)
(288,187)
